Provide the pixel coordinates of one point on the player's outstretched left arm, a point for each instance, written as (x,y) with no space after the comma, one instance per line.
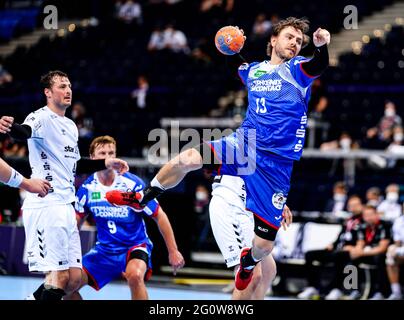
(87,165)
(320,60)
(175,257)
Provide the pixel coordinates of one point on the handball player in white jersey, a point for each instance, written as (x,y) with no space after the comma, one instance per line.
(233,229)
(52,238)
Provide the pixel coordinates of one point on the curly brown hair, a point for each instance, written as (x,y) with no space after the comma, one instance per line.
(301,24)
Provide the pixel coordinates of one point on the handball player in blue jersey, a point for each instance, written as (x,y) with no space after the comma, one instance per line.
(123,246)
(263,149)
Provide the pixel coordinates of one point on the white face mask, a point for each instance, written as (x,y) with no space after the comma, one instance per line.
(398,137)
(201,196)
(389,113)
(373,202)
(345,143)
(392,196)
(339,197)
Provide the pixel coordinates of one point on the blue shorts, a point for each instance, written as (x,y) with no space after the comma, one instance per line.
(266,176)
(102,267)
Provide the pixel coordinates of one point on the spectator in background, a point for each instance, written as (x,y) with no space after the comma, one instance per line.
(5,76)
(11,148)
(339,199)
(262,27)
(140,93)
(389,208)
(201,206)
(373,197)
(395,258)
(84,123)
(336,253)
(344,143)
(175,40)
(381,136)
(373,240)
(226,5)
(201,51)
(156,41)
(129,11)
(317,113)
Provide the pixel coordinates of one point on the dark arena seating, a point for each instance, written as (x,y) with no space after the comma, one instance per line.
(104,57)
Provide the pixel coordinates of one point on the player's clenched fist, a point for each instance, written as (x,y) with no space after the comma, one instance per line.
(5,124)
(321,37)
(117,164)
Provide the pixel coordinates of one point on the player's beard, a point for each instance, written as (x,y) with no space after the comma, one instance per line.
(281,53)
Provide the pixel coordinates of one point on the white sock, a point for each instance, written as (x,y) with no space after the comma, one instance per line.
(395,288)
(157,184)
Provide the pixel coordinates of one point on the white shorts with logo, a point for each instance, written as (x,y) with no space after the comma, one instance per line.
(232,226)
(52,238)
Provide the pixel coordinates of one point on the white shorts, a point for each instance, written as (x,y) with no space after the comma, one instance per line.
(52,238)
(233,228)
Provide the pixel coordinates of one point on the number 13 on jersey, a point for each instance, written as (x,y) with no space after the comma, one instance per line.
(261,107)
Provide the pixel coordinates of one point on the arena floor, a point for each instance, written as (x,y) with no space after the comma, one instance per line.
(18,288)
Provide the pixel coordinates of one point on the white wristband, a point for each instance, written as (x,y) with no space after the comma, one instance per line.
(15,179)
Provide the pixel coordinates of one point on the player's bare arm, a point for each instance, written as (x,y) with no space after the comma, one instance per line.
(13,178)
(175,257)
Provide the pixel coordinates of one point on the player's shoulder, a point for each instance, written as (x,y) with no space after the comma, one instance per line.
(247,65)
(131,176)
(36,114)
(296,60)
(90,180)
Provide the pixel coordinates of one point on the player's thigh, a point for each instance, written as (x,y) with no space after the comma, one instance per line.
(48,232)
(75,254)
(226,230)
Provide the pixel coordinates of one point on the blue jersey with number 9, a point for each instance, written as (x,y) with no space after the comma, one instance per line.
(118,227)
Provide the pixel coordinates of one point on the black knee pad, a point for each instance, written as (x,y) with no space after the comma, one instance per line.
(139,254)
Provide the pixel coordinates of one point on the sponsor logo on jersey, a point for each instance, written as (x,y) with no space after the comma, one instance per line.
(266,85)
(110,212)
(262,229)
(95,195)
(69,149)
(259,73)
(278,200)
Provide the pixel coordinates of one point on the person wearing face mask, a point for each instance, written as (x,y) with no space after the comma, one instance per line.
(339,199)
(201,207)
(379,137)
(389,208)
(373,197)
(345,142)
